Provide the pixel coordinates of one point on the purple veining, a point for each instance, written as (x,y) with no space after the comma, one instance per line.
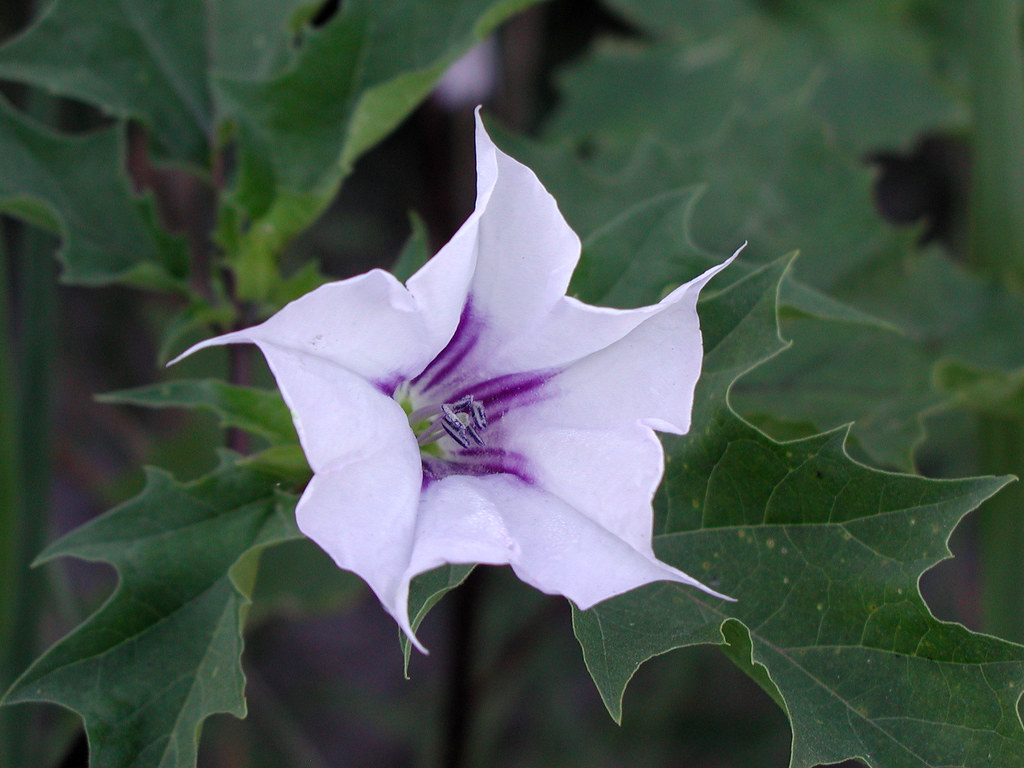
(448,359)
(389,386)
(497,395)
(500,394)
(497,461)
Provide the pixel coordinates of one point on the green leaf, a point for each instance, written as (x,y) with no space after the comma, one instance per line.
(73,186)
(831,372)
(426,591)
(259,411)
(870,69)
(298,579)
(942,322)
(305,279)
(781,173)
(646,251)
(352,82)
(287,462)
(152,61)
(640,255)
(835,371)
(416,251)
(997,393)
(823,556)
(163,653)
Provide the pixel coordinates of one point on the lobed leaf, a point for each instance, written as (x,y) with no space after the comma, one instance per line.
(352,83)
(73,186)
(761,117)
(823,556)
(303,103)
(259,411)
(152,61)
(163,653)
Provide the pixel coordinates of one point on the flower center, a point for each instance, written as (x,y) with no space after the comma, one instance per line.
(463,421)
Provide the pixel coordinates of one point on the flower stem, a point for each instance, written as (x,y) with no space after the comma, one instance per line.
(31,394)
(460,691)
(997,101)
(11,493)
(997,247)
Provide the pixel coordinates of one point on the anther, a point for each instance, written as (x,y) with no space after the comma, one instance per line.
(466,432)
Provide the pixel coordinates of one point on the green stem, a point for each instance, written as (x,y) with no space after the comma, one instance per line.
(28,384)
(1002,531)
(11,494)
(997,83)
(997,247)
(25,410)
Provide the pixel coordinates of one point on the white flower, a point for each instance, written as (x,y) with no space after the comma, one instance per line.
(479,415)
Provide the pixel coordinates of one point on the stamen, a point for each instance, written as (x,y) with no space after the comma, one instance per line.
(448,419)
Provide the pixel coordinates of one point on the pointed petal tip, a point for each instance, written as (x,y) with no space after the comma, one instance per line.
(417,644)
(406,627)
(398,607)
(680,577)
(689,581)
(237,337)
(186,353)
(719,267)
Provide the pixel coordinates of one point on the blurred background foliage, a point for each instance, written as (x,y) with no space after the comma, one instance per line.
(858,133)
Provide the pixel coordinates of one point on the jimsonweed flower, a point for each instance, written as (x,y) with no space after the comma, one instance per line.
(477,414)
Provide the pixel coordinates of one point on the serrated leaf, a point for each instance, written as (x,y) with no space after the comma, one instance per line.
(644,252)
(837,370)
(638,256)
(353,81)
(830,373)
(778,176)
(868,68)
(163,653)
(260,411)
(151,61)
(823,556)
(73,186)
(943,322)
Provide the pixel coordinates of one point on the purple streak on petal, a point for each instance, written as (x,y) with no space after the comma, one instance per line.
(476,461)
(501,394)
(428,477)
(388,386)
(449,358)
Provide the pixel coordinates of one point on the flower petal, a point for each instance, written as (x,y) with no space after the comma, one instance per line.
(517,317)
(526,250)
(525,256)
(586,434)
(648,376)
(338,415)
(610,476)
(371,324)
(498,519)
(362,512)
